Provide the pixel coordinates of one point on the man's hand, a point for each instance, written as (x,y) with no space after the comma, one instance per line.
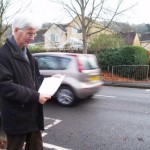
(43,98)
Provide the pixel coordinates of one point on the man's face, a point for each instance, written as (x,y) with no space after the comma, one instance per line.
(24,37)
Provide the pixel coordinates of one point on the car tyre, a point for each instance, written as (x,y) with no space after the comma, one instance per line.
(65,96)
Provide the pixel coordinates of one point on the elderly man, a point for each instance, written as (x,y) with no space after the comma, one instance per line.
(21,104)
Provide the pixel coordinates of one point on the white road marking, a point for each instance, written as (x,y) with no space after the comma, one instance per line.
(105,96)
(46,145)
(56,121)
(47,118)
(147,90)
(43,134)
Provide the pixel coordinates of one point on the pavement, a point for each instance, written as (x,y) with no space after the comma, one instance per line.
(145,85)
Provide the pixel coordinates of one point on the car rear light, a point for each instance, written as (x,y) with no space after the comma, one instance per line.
(80,66)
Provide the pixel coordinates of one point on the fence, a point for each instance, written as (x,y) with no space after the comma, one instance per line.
(130,73)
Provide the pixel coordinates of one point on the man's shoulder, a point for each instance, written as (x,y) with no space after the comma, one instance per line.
(4,46)
(4,50)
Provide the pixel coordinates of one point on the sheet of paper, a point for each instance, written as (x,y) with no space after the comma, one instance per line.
(50,85)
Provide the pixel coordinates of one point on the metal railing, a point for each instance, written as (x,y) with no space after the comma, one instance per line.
(129,73)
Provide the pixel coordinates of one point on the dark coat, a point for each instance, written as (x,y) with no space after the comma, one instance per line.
(20,111)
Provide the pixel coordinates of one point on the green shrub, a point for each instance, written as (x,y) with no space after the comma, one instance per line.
(35,49)
(109,57)
(131,55)
(134,55)
(105,41)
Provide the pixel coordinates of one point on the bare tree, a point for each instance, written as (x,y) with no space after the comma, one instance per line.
(6,17)
(91,12)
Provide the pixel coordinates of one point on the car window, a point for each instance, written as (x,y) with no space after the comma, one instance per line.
(89,62)
(52,62)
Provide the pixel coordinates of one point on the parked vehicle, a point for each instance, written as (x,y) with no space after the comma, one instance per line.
(82,74)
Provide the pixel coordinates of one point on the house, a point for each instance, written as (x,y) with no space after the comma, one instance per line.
(130,38)
(145,41)
(63,36)
(68,35)
(55,36)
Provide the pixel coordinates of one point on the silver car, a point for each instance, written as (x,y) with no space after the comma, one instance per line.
(82,74)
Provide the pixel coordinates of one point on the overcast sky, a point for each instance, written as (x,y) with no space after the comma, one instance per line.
(47,11)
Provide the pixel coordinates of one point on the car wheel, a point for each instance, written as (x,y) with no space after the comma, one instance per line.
(65,96)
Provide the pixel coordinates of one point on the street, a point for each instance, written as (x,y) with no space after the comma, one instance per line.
(115,119)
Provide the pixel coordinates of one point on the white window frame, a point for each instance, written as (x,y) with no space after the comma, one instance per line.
(54,38)
(75,30)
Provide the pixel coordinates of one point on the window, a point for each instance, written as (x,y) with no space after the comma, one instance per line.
(89,62)
(54,38)
(52,62)
(76,30)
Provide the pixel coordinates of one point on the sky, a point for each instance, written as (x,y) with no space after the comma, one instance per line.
(47,11)
(140,14)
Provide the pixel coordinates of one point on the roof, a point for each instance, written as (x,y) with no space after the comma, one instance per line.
(46,25)
(62,26)
(128,37)
(40,36)
(145,37)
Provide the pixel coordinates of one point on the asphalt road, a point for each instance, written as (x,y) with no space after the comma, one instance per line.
(116,118)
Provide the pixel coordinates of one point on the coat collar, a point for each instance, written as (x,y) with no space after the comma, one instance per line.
(18,55)
(16,52)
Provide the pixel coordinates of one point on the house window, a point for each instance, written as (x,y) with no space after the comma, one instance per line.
(76,30)
(54,38)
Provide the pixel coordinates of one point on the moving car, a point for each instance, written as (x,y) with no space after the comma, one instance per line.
(82,74)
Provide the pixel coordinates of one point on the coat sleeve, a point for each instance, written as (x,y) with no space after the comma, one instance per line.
(39,78)
(12,91)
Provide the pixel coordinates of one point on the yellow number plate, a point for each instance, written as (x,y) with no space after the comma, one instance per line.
(94,78)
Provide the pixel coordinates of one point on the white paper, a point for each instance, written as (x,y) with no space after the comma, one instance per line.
(50,85)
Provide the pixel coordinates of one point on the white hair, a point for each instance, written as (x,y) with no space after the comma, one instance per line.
(24,21)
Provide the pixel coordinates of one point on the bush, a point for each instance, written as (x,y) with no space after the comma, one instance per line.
(131,55)
(105,41)
(134,55)
(109,57)
(35,49)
